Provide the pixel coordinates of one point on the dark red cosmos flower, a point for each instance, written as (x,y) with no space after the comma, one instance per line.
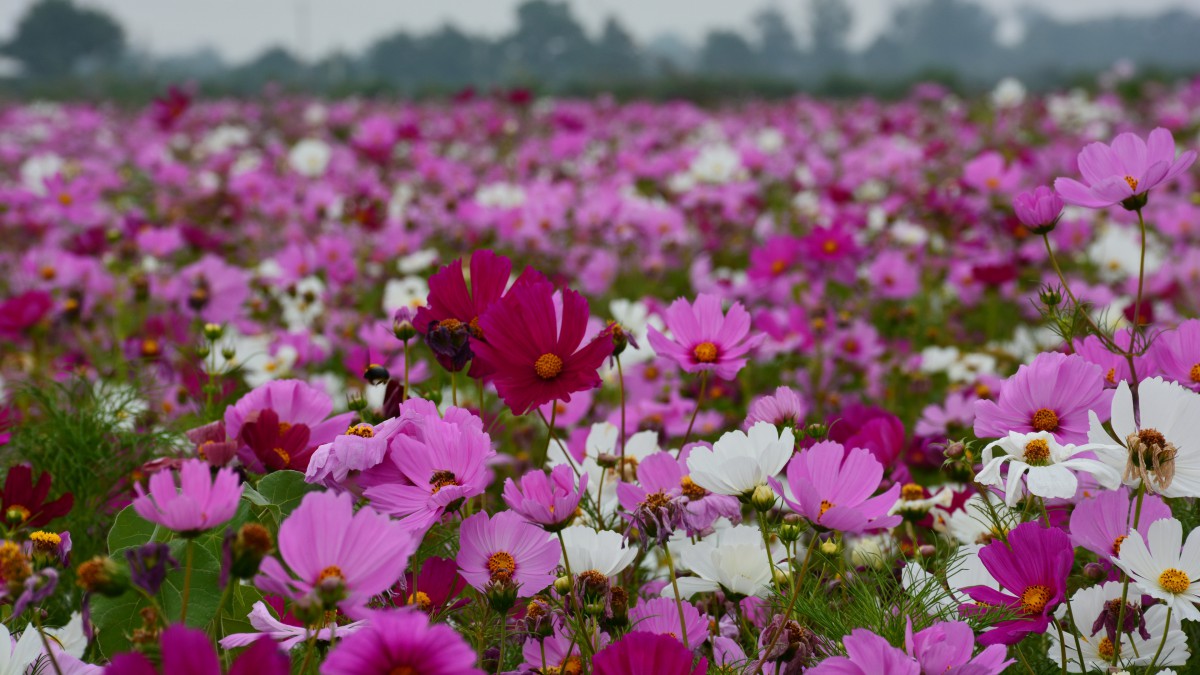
(168,108)
(533,357)
(25,501)
(278,446)
(20,312)
(437,586)
(451,313)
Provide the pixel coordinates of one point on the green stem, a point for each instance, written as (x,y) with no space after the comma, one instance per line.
(404,393)
(699,401)
(309,649)
(37,623)
(621,395)
(187,580)
(1062,646)
(503,636)
(1137,516)
(678,599)
(1075,633)
(454,388)
(1163,641)
(808,554)
(549,434)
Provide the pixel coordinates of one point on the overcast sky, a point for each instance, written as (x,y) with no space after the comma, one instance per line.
(239,29)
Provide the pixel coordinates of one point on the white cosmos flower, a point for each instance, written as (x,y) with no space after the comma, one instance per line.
(310,157)
(407,292)
(716,164)
(1097,649)
(732,558)
(975,522)
(963,570)
(1169,569)
(739,462)
(591,551)
(1049,467)
(15,658)
(1169,409)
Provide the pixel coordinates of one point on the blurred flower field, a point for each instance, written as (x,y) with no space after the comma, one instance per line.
(509,384)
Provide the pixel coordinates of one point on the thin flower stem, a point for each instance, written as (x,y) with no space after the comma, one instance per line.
(37,623)
(503,637)
(1075,633)
(808,554)
(1137,516)
(566,561)
(309,648)
(1062,646)
(1108,344)
(1163,641)
(678,598)
(454,388)
(699,402)
(404,392)
(621,395)
(549,434)
(187,580)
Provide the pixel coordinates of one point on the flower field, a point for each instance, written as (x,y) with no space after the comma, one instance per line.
(503,384)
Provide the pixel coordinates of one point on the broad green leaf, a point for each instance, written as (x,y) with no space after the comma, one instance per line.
(285,489)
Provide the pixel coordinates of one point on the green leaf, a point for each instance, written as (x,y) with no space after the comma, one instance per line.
(285,489)
(116,619)
(130,529)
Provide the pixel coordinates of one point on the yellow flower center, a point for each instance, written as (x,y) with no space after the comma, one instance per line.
(361,430)
(45,541)
(501,566)
(1194,373)
(690,489)
(441,479)
(1132,182)
(1106,650)
(48,272)
(830,246)
(1111,376)
(283,454)
(548,366)
(421,600)
(705,352)
(656,500)
(911,492)
(1174,581)
(992,182)
(1045,419)
(331,572)
(1037,452)
(777,267)
(449,324)
(1034,599)
(825,506)
(16,511)
(1117,544)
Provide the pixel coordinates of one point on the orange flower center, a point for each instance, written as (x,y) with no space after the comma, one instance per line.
(48,272)
(1132,182)
(1111,377)
(1106,650)
(1045,419)
(548,366)
(1037,452)
(501,566)
(705,352)
(830,246)
(17,511)
(450,324)
(361,430)
(421,600)
(1034,599)
(777,267)
(283,454)
(1117,544)
(1194,373)
(331,572)
(1174,581)
(911,492)
(656,500)
(825,506)
(690,489)
(441,479)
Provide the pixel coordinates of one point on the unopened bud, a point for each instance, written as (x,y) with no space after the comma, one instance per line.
(402,324)
(562,585)
(247,549)
(816,431)
(791,528)
(502,596)
(607,461)
(213,331)
(763,498)
(228,352)
(782,578)
(1095,572)
(102,575)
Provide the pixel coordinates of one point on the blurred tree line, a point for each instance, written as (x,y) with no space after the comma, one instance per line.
(953,41)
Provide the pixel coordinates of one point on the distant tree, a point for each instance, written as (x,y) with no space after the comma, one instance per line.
(452,58)
(392,58)
(276,64)
(778,52)
(726,53)
(830,22)
(939,35)
(615,56)
(549,45)
(54,37)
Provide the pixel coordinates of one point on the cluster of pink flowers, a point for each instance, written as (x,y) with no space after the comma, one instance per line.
(587,387)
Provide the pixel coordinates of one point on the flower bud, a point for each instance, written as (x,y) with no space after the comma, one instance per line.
(402,324)
(619,337)
(228,352)
(102,575)
(607,461)
(203,351)
(829,547)
(562,585)
(502,596)
(213,331)
(791,528)
(1050,296)
(763,498)
(781,577)
(247,548)
(1094,571)
(816,431)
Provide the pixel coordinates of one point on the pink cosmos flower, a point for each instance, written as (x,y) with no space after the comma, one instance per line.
(947,647)
(533,352)
(1178,354)
(433,474)
(834,487)
(1100,524)
(200,502)
(362,447)
(989,173)
(298,409)
(287,632)
(335,553)
(504,550)
(1053,393)
(663,477)
(894,275)
(867,654)
(549,501)
(1124,172)
(704,338)
(661,616)
(401,642)
(642,652)
(783,407)
(187,651)
(1038,210)
(1032,569)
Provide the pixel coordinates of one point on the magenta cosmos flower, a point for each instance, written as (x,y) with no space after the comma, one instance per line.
(434,473)
(293,428)
(703,338)
(200,502)
(1122,173)
(1054,394)
(661,617)
(1038,210)
(1178,354)
(663,480)
(333,552)
(1031,568)
(833,487)
(1100,524)
(452,310)
(642,652)
(784,407)
(506,551)
(947,647)
(186,651)
(867,654)
(549,501)
(533,351)
(401,642)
